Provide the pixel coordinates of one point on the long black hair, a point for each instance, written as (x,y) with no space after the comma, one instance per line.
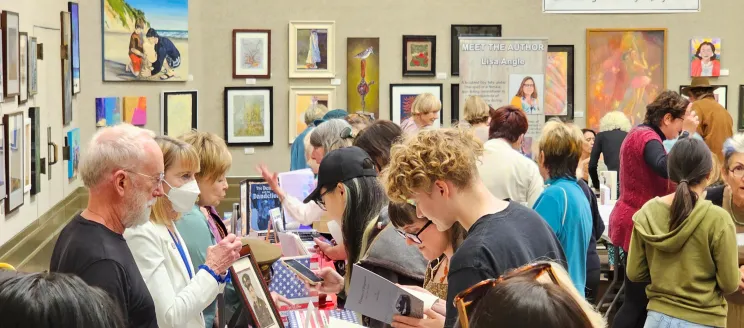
(689,165)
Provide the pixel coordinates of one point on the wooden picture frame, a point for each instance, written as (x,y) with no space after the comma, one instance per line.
(455,103)
(458,30)
(23,67)
(10,25)
(14,160)
(326,44)
(260,100)
(410,58)
(263,44)
(246,274)
(721,93)
(184,107)
(302,96)
(402,95)
(569,82)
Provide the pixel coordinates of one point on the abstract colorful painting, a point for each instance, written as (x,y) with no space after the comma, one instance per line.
(419,55)
(11,65)
(252,54)
(626,70)
(66,69)
(108,111)
(303,98)
(178,112)
(705,57)
(73,142)
(363,75)
(135,110)
(559,82)
(403,95)
(75,60)
(249,115)
(311,49)
(145,40)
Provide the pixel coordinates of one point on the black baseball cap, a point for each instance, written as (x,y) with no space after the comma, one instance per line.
(342,165)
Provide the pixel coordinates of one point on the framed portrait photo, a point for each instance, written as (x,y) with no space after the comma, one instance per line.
(720,93)
(312,48)
(252,54)
(403,95)
(249,116)
(419,55)
(247,279)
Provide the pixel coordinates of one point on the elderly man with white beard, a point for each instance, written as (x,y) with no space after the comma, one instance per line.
(123,171)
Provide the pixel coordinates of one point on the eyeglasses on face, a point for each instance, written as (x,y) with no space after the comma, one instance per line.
(320,201)
(465,298)
(414,237)
(737,172)
(158,180)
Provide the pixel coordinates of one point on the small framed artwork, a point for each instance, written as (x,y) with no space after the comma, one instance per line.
(252,54)
(312,48)
(75,54)
(27,156)
(249,116)
(33,81)
(73,144)
(134,110)
(419,55)
(178,112)
(34,114)
(23,59)
(467,30)
(3,179)
(66,68)
(363,76)
(11,63)
(402,97)
(740,123)
(455,103)
(14,160)
(720,93)
(705,57)
(247,278)
(559,83)
(303,98)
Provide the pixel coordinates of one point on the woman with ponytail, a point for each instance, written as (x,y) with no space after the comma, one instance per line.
(685,246)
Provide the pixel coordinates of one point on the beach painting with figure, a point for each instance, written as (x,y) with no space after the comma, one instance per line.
(363,75)
(705,57)
(626,70)
(145,40)
(311,49)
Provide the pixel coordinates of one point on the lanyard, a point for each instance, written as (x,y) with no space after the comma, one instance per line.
(183,254)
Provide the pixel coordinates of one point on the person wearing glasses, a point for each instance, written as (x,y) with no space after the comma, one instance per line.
(537,295)
(526,97)
(123,170)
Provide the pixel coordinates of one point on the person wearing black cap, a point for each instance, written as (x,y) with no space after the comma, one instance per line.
(349,191)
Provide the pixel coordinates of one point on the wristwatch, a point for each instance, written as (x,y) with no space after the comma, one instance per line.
(684,134)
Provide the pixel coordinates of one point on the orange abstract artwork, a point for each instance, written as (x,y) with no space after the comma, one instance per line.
(626,70)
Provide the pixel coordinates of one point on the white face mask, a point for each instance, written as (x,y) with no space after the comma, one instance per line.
(184,197)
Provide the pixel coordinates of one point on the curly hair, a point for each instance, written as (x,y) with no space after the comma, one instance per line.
(613,121)
(443,154)
(668,102)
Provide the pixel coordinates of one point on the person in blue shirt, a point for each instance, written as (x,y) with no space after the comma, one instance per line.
(563,204)
(167,53)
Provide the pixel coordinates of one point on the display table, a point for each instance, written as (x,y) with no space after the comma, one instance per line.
(266,254)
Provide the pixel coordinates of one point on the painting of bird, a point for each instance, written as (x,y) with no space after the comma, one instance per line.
(366,53)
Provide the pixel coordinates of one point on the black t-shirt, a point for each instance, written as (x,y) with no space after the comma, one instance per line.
(497,243)
(102,259)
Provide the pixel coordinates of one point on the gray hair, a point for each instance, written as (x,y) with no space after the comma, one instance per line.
(734,145)
(328,135)
(315,112)
(112,148)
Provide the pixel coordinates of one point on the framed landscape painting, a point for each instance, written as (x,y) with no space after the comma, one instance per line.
(467,30)
(75,59)
(419,55)
(66,69)
(363,75)
(11,64)
(402,97)
(178,112)
(249,116)
(312,45)
(303,98)
(559,82)
(252,54)
(14,160)
(720,93)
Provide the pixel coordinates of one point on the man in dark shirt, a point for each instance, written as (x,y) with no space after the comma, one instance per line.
(123,171)
(501,235)
(167,52)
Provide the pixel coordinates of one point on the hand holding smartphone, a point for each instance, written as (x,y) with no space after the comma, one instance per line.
(302,271)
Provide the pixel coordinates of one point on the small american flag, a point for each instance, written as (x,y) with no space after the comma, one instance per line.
(296,319)
(287,284)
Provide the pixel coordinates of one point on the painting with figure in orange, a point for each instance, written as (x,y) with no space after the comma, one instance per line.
(626,70)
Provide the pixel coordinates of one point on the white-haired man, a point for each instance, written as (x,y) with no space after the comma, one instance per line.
(123,171)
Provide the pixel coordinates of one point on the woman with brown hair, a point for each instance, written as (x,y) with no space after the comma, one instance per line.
(377,139)
(526,97)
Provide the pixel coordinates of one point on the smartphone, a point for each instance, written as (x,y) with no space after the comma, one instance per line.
(323,239)
(302,271)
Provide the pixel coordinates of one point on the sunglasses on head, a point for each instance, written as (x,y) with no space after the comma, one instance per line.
(473,294)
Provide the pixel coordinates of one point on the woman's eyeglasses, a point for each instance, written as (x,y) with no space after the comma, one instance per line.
(320,201)
(477,291)
(737,172)
(414,237)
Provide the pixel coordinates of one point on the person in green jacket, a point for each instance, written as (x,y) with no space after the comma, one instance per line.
(686,247)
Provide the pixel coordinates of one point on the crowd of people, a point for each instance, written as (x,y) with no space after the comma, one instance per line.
(500,239)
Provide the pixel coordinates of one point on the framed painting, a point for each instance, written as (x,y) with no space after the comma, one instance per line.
(303,98)
(14,160)
(403,95)
(135,110)
(249,116)
(66,69)
(740,120)
(252,54)
(33,73)
(178,112)
(246,277)
(3,179)
(419,55)
(108,111)
(154,26)
(73,144)
(705,57)
(363,75)
(626,70)
(72,7)
(720,93)
(467,30)
(312,48)
(559,83)
(34,114)
(455,103)
(27,155)
(23,60)
(11,63)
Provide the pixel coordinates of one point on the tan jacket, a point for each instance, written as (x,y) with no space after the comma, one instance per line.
(716,124)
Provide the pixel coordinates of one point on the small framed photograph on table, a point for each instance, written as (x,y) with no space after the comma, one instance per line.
(248,281)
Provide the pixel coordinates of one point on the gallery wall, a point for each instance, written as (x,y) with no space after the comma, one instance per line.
(41,19)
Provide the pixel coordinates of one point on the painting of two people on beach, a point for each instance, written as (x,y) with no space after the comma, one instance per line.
(145,40)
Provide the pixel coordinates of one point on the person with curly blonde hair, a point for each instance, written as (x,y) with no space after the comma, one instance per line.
(424,112)
(437,171)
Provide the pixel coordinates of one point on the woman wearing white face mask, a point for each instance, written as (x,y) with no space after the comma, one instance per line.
(180,291)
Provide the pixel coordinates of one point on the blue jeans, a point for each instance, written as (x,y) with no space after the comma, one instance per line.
(660,320)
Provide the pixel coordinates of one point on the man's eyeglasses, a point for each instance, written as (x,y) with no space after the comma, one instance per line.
(414,237)
(157,179)
(477,291)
